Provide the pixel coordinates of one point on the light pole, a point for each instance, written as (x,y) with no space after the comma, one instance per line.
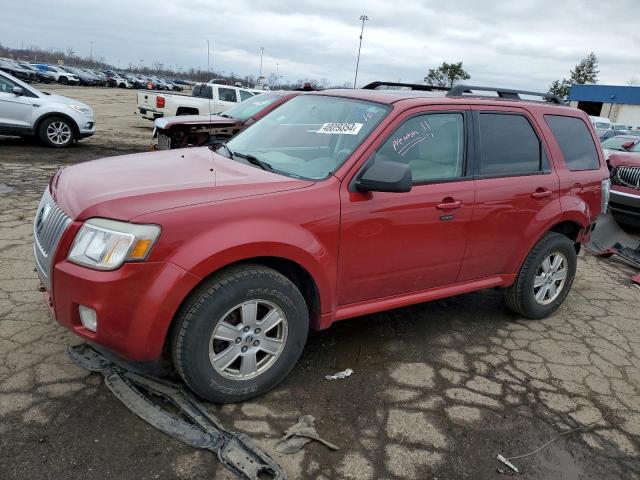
(208,61)
(277,77)
(261,54)
(91,52)
(364,18)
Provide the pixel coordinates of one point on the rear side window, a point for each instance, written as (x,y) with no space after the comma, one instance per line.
(575,141)
(508,146)
(227,95)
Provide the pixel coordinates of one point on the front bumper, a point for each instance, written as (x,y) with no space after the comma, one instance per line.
(135,304)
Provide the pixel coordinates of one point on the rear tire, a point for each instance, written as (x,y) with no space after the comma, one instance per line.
(57,132)
(64,80)
(218,347)
(545,278)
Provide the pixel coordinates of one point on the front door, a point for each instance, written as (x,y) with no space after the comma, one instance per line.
(15,110)
(394,243)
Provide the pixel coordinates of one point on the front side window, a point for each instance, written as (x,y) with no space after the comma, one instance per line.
(432,145)
(6,85)
(227,95)
(508,146)
(309,136)
(576,143)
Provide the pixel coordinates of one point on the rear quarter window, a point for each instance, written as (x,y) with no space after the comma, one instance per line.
(575,141)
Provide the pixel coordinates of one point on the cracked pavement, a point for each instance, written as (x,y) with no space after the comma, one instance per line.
(439,389)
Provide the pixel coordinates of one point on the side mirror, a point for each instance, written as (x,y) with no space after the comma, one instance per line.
(384,176)
(625,145)
(17,91)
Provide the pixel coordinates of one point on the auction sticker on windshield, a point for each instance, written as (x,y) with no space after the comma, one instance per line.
(340,128)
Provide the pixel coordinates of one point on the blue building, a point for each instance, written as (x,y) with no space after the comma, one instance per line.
(619,103)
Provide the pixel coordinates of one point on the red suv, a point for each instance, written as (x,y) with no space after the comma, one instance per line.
(335,205)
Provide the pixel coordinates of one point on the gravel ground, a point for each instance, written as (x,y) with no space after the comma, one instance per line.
(439,389)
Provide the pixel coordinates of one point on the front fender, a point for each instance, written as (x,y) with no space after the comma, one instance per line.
(233,242)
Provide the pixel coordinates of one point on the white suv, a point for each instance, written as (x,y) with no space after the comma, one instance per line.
(58,121)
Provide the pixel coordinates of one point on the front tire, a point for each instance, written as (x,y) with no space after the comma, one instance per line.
(240,334)
(545,278)
(57,132)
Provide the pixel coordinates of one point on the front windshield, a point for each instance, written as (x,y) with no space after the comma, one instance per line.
(602,125)
(309,136)
(251,106)
(615,143)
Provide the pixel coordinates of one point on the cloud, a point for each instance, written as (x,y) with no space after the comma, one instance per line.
(523,44)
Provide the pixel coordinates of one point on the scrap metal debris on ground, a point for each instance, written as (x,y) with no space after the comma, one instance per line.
(340,375)
(192,424)
(506,460)
(298,435)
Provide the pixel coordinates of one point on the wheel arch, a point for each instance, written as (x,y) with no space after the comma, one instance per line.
(294,271)
(44,116)
(187,111)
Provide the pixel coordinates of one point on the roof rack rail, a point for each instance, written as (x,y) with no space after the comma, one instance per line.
(412,86)
(460,90)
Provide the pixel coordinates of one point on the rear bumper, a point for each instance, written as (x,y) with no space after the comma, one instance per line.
(135,304)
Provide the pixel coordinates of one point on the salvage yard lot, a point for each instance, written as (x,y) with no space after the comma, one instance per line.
(439,389)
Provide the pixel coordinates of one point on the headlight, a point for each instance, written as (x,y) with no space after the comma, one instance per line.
(606,193)
(81,109)
(106,244)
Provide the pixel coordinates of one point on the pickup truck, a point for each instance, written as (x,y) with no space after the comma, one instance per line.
(205,99)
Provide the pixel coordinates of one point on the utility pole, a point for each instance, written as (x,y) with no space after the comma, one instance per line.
(364,18)
(261,54)
(91,53)
(277,77)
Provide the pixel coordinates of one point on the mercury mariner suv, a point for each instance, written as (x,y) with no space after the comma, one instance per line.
(336,204)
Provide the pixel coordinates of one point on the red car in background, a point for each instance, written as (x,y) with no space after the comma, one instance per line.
(199,130)
(625,187)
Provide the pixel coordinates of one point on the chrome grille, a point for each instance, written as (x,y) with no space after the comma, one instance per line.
(627,176)
(48,226)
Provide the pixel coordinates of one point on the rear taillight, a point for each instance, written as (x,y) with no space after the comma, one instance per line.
(606,192)
(159,102)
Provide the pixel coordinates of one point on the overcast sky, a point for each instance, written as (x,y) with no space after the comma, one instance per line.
(522,43)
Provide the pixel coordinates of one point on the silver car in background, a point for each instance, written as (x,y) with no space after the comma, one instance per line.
(58,121)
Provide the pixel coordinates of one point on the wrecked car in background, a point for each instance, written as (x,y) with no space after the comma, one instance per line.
(334,205)
(198,130)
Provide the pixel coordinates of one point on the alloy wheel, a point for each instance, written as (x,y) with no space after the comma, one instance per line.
(550,278)
(248,340)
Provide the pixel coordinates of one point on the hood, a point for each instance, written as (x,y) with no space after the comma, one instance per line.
(52,97)
(204,120)
(127,186)
(630,159)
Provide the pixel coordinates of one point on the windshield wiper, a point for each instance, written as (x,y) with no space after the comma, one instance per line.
(252,159)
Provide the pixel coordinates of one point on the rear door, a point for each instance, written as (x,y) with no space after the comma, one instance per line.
(515,187)
(396,243)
